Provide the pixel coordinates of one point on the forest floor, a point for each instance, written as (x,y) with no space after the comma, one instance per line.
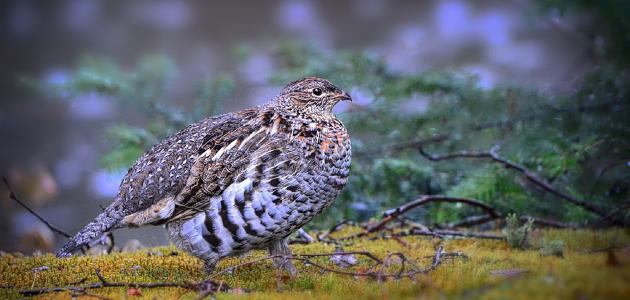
(560,264)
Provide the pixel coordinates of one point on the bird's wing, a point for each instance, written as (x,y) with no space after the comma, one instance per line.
(179,177)
(255,157)
(162,172)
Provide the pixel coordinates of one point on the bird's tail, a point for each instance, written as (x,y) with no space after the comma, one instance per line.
(101,224)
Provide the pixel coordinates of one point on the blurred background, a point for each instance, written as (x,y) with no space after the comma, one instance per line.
(87,86)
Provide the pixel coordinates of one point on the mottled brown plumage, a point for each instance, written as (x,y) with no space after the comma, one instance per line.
(238,181)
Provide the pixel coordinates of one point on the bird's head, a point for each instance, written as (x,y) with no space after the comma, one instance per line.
(312,95)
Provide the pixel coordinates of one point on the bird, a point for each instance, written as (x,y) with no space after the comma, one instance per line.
(238,181)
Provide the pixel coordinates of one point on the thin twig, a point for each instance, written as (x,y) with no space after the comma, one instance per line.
(379,275)
(548,222)
(104,283)
(469,221)
(392,214)
(451,233)
(15,198)
(529,175)
(324,236)
(300,257)
(364,253)
(482,219)
(608,216)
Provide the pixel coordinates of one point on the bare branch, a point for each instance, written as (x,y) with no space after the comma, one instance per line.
(463,154)
(15,198)
(481,219)
(529,175)
(394,213)
(469,221)
(455,233)
(324,236)
(609,216)
(548,222)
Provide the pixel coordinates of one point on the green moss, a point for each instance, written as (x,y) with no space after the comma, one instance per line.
(582,272)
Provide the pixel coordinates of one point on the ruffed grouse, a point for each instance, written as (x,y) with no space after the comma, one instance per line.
(238,181)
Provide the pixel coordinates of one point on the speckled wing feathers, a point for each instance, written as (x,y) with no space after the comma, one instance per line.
(164,169)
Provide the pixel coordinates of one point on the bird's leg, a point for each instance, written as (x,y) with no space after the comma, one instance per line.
(187,235)
(208,265)
(281,248)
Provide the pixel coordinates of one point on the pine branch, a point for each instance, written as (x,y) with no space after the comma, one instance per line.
(529,175)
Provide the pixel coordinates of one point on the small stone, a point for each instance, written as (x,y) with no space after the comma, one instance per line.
(154,253)
(41,269)
(344,261)
(132,246)
(97,250)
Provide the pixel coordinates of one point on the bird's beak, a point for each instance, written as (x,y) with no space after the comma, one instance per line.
(343,96)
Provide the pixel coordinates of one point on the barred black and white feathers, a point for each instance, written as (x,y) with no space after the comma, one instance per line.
(239,181)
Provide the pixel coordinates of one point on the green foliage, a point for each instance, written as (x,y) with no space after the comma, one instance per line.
(552,248)
(144,89)
(212,94)
(132,142)
(496,186)
(606,20)
(577,141)
(517,235)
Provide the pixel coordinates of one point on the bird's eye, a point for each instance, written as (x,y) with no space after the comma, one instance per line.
(317,91)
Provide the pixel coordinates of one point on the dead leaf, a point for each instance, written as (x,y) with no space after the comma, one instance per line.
(285,278)
(134,292)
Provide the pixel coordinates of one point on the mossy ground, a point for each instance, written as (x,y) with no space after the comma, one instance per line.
(581,273)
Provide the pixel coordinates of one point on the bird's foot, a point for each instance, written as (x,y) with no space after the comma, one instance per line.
(285,264)
(280,249)
(209,265)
